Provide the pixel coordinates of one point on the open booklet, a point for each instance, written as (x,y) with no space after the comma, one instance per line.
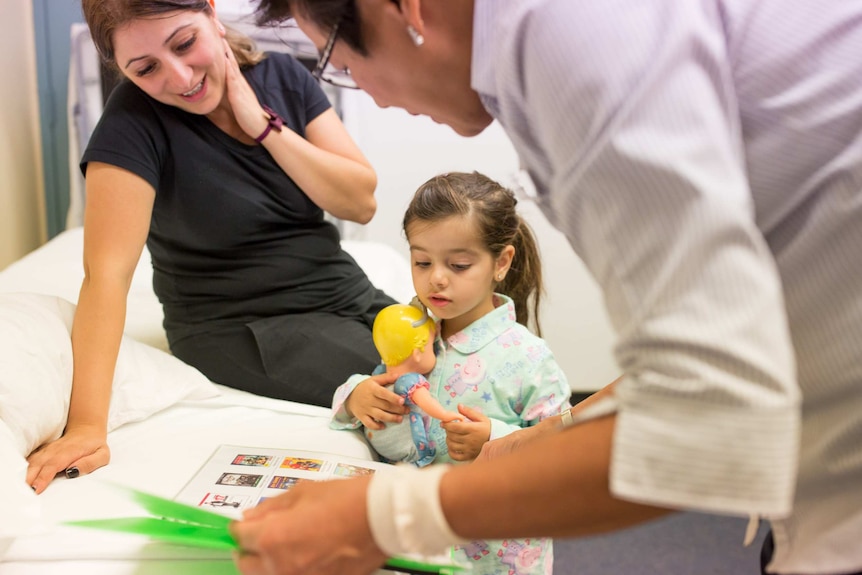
(237,477)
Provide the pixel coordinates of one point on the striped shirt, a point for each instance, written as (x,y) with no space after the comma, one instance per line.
(704,159)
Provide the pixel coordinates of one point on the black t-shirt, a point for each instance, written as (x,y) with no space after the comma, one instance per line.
(232,237)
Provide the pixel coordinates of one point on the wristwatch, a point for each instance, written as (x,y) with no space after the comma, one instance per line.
(275,122)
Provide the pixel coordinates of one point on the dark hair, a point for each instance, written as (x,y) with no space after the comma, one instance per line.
(104,17)
(325,14)
(493,209)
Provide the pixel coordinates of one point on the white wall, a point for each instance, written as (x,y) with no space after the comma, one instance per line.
(22,226)
(407,150)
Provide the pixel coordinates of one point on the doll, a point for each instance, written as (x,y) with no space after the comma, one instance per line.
(404,337)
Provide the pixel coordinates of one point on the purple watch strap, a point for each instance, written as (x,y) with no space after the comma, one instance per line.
(275,123)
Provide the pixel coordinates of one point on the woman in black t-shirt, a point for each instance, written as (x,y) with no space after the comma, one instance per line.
(223,161)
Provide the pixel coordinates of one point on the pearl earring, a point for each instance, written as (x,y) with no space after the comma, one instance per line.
(418,39)
(500,277)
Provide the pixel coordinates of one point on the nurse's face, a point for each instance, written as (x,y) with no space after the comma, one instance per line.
(431,80)
(177,59)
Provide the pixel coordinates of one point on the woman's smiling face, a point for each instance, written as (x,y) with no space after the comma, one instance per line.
(177,59)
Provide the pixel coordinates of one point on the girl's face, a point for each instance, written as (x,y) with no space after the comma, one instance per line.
(453,272)
(421,80)
(178,59)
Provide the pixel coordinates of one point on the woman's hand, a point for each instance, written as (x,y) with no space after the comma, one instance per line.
(464,439)
(374,404)
(249,114)
(84,448)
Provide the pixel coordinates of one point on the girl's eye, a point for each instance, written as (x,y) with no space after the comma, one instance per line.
(460,267)
(422,264)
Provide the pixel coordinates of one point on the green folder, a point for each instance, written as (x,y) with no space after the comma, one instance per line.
(186,525)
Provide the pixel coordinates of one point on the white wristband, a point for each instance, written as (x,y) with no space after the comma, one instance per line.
(601,408)
(404,511)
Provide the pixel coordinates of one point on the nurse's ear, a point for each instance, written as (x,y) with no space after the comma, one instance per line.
(411,11)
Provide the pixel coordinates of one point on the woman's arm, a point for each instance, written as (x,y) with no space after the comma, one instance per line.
(117,217)
(326,164)
(518,439)
(557,488)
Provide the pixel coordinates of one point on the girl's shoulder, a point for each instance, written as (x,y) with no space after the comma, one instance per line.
(524,337)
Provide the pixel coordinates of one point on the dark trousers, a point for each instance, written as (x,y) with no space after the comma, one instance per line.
(298,357)
(769,548)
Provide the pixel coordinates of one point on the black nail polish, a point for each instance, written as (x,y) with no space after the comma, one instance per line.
(72,472)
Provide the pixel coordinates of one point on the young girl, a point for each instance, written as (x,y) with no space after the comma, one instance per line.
(476,268)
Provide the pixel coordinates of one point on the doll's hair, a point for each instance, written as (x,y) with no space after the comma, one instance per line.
(105,17)
(492,208)
(399,329)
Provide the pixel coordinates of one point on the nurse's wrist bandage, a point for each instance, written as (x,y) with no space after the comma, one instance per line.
(404,511)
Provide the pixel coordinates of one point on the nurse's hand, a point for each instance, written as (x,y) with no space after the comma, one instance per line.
(316,527)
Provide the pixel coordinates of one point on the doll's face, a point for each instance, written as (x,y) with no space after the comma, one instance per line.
(426,359)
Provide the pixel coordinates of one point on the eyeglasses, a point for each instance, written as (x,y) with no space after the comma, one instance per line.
(329,73)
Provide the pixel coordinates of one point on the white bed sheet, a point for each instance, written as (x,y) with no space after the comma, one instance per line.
(159,455)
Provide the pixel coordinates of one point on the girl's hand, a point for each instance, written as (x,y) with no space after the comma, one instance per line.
(374,404)
(84,448)
(243,101)
(464,439)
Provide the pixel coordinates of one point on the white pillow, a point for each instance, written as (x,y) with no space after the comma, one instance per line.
(36,372)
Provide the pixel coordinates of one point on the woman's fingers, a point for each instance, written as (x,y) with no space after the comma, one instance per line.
(65,458)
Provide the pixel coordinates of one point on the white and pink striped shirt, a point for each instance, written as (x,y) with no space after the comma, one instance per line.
(704,159)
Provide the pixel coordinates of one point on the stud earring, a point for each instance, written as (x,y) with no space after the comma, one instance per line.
(418,39)
(500,277)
